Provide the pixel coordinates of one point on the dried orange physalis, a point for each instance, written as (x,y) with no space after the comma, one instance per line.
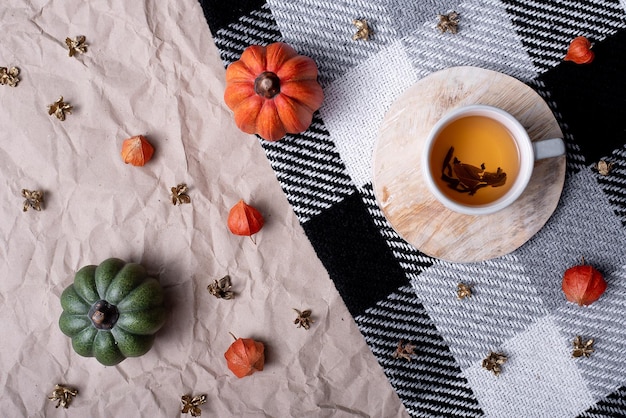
(245,356)
(583,284)
(579,51)
(136,150)
(244,219)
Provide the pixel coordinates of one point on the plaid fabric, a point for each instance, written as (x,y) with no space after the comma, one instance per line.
(393,291)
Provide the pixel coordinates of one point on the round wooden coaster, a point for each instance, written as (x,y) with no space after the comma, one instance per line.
(402,194)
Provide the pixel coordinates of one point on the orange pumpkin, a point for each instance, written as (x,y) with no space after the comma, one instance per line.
(273,91)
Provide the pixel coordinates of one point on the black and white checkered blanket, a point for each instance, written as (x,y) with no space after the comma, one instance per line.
(393,291)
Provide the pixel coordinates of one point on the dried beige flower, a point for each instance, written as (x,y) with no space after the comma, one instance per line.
(34,199)
(493,361)
(405,351)
(9,76)
(363,30)
(582,348)
(192,405)
(463,291)
(604,167)
(59,109)
(221,288)
(63,395)
(179,194)
(304,319)
(76,45)
(449,22)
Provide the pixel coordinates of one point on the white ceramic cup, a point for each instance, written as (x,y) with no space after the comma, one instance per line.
(528,153)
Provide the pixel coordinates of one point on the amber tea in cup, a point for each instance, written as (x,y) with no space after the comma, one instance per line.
(478,159)
(474,160)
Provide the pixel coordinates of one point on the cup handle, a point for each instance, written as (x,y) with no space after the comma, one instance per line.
(548,148)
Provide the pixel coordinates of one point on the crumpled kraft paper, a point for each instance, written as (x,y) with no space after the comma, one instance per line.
(151,68)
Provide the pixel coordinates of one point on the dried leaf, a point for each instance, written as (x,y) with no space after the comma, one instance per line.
(192,405)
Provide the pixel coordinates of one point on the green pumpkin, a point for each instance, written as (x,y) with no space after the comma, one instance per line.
(112,311)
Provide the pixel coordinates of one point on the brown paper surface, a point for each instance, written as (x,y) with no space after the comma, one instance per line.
(151,68)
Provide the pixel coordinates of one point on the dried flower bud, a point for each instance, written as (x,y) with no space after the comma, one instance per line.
(579,51)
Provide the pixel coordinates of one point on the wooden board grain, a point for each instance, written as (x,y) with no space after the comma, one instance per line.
(403,196)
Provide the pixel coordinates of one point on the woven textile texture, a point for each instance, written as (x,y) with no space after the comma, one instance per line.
(393,291)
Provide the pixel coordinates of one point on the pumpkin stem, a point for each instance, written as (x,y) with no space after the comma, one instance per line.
(267,84)
(103,315)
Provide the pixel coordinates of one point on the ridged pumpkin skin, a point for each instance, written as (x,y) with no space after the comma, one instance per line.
(112,311)
(273,91)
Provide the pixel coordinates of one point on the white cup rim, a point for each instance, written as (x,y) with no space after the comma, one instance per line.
(525,149)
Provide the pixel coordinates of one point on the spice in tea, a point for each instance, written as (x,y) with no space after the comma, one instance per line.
(474,160)
(467,178)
